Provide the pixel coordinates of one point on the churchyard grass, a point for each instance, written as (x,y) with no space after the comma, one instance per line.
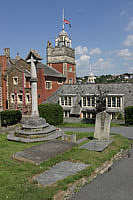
(16,181)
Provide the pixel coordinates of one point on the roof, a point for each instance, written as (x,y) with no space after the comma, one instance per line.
(35,55)
(49,71)
(90,89)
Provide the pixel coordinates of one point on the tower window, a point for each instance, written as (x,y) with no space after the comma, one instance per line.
(70,81)
(15,80)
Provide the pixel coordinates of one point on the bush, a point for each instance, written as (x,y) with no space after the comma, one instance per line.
(119,116)
(53,113)
(129,115)
(10,117)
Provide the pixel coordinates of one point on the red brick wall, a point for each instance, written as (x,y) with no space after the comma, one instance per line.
(41,86)
(3,64)
(55,86)
(72,75)
(57,66)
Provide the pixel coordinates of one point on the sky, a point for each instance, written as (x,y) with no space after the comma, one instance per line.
(101,31)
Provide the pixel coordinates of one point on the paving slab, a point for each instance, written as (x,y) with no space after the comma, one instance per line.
(96,145)
(59,172)
(42,152)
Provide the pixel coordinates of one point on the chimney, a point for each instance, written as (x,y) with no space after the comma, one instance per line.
(7,52)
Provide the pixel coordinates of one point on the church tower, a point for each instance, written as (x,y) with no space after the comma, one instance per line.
(62,56)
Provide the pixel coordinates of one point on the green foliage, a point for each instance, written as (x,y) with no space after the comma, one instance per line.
(129,115)
(10,117)
(119,116)
(53,113)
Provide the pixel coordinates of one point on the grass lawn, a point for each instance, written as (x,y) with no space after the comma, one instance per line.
(16,177)
(82,125)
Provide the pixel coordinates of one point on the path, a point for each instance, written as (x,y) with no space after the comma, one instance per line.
(124,131)
(117,184)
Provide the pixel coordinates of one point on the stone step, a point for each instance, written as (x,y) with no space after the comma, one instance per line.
(26,126)
(11,136)
(30,132)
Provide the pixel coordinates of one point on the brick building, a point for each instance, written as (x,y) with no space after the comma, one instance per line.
(15,88)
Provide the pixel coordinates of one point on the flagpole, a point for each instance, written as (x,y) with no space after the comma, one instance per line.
(63,19)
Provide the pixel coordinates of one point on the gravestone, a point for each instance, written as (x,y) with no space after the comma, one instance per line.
(102,126)
(101,134)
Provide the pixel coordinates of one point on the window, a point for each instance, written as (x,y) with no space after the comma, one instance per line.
(109,102)
(48,85)
(20,98)
(70,69)
(62,101)
(66,113)
(88,101)
(70,81)
(27,98)
(15,80)
(66,101)
(114,102)
(60,81)
(12,98)
(118,102)
(88,98)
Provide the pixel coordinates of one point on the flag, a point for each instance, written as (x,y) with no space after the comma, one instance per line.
(67,22)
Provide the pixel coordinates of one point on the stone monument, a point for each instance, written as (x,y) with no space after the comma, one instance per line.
(101,134)
(34,128)
(102,126)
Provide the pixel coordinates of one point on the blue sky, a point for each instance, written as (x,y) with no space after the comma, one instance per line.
(102,31)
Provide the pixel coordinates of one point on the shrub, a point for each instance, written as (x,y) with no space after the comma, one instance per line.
(129,115)
(10,117)
(119,116)
(53,113)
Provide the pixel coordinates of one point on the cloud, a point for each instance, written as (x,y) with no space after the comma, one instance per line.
(129,41)
(102,64)
(125,54)
(83,59)
(123,12)
(95,51)
(130,25)
(79,50)
(83,63)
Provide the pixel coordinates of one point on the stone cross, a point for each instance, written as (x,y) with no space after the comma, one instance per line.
(33,80)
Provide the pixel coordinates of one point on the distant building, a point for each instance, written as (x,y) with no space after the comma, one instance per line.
(79,101)
(91,78)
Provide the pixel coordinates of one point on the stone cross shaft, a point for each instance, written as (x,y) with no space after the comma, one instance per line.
(35,112)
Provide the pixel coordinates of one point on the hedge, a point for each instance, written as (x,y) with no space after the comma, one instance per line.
(129,115)
(53,113)
(10,117)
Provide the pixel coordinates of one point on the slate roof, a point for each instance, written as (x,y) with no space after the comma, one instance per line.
(119,89)
(49,71)
(35,55)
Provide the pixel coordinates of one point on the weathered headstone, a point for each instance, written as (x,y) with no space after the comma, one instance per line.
(102,126)
(101,134)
